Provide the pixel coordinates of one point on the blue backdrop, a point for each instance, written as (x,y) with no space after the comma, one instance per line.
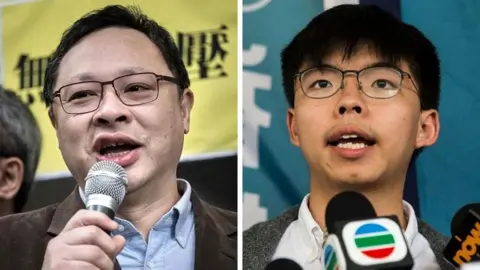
(442,180)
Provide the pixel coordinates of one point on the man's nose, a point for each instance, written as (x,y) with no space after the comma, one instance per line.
(351,97)
(111,110)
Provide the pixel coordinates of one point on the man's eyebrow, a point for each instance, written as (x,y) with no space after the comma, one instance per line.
(381,64)
(89,76)
(80,77)
(369,65)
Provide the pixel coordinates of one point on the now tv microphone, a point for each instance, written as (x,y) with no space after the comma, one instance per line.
(358,239)
(465,229)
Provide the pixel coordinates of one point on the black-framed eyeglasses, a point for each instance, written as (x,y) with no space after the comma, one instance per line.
(132,90)
(380,82)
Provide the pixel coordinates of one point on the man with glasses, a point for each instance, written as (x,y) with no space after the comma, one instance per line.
(363,93)
(117,89)
(20,148)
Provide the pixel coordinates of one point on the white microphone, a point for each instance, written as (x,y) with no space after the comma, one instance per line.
(105,187)
(470,266)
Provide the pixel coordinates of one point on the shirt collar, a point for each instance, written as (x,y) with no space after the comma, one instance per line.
(313,236)
(311,233)
(183,209)
(412,226)
(176,217)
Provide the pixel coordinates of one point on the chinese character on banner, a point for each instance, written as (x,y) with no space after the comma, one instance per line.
(203,53)
(31,75)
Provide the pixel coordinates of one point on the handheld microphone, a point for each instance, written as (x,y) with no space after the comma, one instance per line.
(359,208)
(332,254)
(470,266)
(465,230)
(105,187)
(283,264)
(358,239)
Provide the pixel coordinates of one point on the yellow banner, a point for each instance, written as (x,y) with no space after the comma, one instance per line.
(205,31)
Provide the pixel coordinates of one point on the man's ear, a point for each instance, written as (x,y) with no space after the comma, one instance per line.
(11,177)
(186,104)
(51,116)
(428,130)
(292,127)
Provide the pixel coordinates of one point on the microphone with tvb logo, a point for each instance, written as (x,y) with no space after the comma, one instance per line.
(465,229)
(358,239)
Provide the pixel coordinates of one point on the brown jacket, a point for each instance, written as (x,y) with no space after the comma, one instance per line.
(24,237)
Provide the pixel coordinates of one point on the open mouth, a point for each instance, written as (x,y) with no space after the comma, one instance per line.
(117,149)
(351,141)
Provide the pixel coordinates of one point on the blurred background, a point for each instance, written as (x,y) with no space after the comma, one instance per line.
(444,178)
(206,34)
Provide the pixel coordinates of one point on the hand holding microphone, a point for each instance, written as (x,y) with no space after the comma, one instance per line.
(84,243)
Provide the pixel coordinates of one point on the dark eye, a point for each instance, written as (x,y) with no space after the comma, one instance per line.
(81,95)
(136,88)
(383,84)
(321,84)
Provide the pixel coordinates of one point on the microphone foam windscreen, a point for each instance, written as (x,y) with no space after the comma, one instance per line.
(461,214)
(348,205)
(107,178)
(283,264)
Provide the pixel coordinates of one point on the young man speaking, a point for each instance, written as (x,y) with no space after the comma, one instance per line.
(363,92)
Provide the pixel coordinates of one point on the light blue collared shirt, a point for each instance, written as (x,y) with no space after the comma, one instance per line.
(171,242)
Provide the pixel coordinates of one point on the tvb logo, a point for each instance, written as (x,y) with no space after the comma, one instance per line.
(333,257)
(469,246)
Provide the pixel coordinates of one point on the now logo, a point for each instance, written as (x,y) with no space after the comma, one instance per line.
(469,246)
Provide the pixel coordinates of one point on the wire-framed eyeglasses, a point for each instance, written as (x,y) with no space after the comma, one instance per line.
(132,90)
(380,82)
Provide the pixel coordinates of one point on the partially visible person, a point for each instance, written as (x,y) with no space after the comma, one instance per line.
(20,146)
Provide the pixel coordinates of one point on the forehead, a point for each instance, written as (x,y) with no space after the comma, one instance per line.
(360,59)
(109,53)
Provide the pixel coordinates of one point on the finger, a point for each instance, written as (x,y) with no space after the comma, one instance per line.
(119,243)
(86,217)
(91,235)
(92,255)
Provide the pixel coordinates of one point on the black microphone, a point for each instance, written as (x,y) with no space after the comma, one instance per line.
(358,239)
(105,187)
(346,206)
(465,230)
(283,264)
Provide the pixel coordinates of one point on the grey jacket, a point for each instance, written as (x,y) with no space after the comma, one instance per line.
(261,241)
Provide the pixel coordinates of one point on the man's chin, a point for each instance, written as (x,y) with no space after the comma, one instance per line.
(354,179)
(357,182)
(137,178)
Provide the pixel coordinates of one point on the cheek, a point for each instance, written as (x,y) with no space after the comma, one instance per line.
(71,133)
(397,126)
(160,123)
(312,123)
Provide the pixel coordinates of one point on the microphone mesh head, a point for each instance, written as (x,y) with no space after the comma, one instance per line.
(106,178)
(347,206)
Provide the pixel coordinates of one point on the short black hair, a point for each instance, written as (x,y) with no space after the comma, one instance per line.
(351,27)
(116,16)
(21,137)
